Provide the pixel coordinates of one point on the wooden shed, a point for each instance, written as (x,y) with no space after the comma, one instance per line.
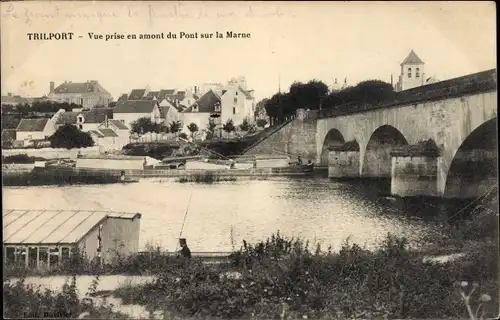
(45,238)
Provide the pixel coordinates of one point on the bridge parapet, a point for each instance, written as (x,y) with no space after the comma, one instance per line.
(485,81)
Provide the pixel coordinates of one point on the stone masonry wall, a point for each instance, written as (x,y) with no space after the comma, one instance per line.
(296,138)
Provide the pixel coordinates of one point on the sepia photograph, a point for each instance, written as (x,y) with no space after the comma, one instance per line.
(249,160)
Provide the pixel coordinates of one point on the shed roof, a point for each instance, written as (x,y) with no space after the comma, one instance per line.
(52,227)
(68,118)
(118,124)
(98,115)
(31,125)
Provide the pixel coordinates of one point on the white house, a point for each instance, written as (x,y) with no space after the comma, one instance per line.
(207,107)
(35,129)
(237,104)
(168,112)
(116,125)
(84,120)
(107,139)
(131,110)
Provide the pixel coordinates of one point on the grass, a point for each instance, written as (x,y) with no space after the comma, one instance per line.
(27,301)
(284,276)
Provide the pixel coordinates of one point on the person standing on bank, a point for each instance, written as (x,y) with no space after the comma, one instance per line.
(185,252)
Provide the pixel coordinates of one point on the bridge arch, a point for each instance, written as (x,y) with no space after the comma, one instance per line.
(473,170)
(332,138)
(377,162)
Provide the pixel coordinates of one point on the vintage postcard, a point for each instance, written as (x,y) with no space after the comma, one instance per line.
(249,160)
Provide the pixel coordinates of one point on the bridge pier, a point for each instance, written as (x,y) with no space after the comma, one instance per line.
(414,176)
(343,164)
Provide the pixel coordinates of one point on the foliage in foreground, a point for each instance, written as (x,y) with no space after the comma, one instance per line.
(283,278)
(27,301)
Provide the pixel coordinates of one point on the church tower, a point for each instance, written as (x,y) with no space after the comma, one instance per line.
(412,73)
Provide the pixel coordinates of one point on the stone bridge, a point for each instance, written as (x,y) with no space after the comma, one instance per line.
(458,117)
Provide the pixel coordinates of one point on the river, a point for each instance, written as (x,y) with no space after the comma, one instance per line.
(222,215)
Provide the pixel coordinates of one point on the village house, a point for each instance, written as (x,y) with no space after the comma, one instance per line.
(129,111)
(15,100)
(83,120)
(207,107)
(237,103)
(107,139)
(168,112)
(115,125)
(35,129)
(87,94)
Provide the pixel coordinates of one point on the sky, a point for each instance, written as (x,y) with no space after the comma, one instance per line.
(289,41)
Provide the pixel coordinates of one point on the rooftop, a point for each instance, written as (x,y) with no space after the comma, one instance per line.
(137,106)
(52,227)
(30,125)
(80,87)
(206,103)
(412,58)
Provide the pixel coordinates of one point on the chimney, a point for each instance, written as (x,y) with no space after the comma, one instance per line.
(51,87)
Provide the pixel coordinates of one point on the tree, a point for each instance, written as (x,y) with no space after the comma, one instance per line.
(175,126)
(260,107)
(192,127)
(245,125)
(261,123)
(143,125)
(211,128)
(69,136)
(228,126)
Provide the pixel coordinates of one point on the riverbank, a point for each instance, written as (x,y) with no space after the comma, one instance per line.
(69,176)
(285,277)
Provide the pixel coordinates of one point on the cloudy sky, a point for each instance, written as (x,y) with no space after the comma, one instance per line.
(289,41)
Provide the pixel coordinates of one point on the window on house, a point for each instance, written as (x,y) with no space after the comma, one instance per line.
(235,100)
(236,92)
(417,73)
(80,119)
(409,72)
(234,110)
(80,126)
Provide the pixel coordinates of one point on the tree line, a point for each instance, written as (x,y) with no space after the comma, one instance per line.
(315,95)
(145,125)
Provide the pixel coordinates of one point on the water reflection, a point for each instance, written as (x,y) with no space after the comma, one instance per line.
(222,215)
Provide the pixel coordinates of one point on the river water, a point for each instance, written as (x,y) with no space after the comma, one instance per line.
(220,216)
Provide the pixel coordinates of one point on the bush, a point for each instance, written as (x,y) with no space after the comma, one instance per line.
(69,136)
(26,301)
(283,276)
(20,158)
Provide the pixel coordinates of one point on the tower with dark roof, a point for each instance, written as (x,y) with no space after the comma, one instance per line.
(412,72)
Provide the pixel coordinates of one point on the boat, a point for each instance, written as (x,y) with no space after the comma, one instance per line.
(298,168)
(128,181)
